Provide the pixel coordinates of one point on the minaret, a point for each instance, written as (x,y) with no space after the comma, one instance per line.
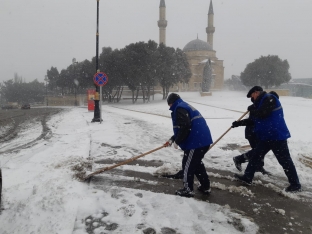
(210,29)
(162,22)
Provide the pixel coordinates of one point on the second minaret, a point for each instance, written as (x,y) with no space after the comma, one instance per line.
(162,22)
(210,29)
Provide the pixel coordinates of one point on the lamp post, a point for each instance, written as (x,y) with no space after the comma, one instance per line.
(46,80)
(74,65)
(97,117)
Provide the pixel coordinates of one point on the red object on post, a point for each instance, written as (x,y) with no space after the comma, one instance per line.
(90,98)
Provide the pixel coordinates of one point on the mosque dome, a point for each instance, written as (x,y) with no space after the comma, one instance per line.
(197,45)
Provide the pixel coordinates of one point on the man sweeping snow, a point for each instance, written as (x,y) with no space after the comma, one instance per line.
(192,135)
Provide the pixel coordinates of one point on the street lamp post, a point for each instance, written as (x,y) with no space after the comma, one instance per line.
(74,65)
(97,117)
(46,80)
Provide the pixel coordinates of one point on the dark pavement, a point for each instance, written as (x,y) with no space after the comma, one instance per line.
(265,208)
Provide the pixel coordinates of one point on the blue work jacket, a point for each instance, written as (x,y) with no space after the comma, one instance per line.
(273,127)
(199,135)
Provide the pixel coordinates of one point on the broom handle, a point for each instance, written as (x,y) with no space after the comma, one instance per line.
(123,162)
(227,131)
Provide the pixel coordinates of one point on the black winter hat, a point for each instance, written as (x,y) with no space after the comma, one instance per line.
(172,98)
(253,89)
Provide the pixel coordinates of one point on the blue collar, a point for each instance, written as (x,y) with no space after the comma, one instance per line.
(174,105)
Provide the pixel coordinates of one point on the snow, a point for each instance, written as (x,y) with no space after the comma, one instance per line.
(42,195)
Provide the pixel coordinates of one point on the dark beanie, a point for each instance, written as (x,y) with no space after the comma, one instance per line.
(172,98)
(253,89)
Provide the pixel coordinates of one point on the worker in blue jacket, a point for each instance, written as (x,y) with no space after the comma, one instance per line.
(272,132)
(251,136)
(192,135)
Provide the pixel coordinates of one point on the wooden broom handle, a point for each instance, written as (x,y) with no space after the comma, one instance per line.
(227,131)
(123,162)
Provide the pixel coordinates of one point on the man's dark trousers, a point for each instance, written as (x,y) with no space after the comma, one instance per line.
(281,152)
(192,165)
(253,141)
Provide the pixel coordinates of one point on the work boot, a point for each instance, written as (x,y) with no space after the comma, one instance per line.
(238,164)
(243,179)
(293,189)
(203,190)
(184,192)
(177,176)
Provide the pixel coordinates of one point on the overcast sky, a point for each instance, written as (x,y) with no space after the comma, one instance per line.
(38,34)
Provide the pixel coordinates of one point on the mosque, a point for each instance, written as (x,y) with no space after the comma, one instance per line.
(198,53)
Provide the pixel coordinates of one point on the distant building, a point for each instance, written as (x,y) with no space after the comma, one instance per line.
(302,81)
(299,87)
(198,53)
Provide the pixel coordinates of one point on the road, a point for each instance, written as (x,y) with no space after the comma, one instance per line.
(14,121)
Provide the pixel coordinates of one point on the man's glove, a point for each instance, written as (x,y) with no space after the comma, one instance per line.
(251,107)
(168,143)
(236,124)
(175,145)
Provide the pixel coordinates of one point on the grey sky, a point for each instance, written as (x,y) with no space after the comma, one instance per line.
(38,34)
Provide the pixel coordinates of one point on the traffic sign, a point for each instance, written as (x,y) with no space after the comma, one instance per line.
(100,79)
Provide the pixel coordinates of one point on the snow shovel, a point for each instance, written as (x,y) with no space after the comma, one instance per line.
(122,163)
(227,131)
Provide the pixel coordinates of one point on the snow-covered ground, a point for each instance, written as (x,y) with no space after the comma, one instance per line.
(41,195)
